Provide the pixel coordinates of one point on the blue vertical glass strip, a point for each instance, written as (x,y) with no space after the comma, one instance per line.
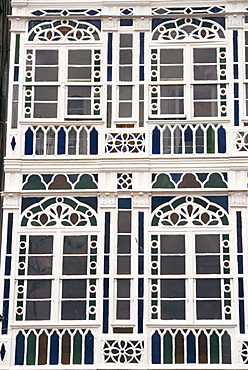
(61,141)
(141,73)
(7,265)
(29,142)
(240,264)
(191,352)
(5,317)
(142,48)
(54,349)
(106,264)
(241,288)
(105,316)
(141,232)
(16,73)
(107,233)
(89,349)
(109,73)
(110,48)
(140,315)
(221,140)
(93,142)
(156,348)
(124,203)
(236,71)
(236,90)
(241,317)
(9,233)
(156,141)
(235,46)
(6,289)
(106,288)
(141,265)
(19,350)
(239,232)
(140,288)
(236,113)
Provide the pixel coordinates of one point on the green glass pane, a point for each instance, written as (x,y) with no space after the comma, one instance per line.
(31,349)
(167,348)
(17,49)
(34,183)
(77,349)
(215,181)
(210,140)
(214,349)
(163,181)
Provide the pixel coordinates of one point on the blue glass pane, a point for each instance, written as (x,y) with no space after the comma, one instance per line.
(19,350)
(54,349)
(140,287)
(140,265)
(9,233)
(126,22)
(239,232)
(106,264)
(240,264)
(221,140)
(142,43)
(107,233)
(156,348)
(140,315)
(124,203)
(105,316)
(106,288)
(61,141)
(156,141)
(16,73)
(236,90)
(156,22)
(236,71)
(235,46)
(188,137)
(141,73)
(29,138)
(89,349)
(241,317)
(241,288)
(191,353)
(5,317)
(236,113)
(141,232)
(93,142)
(110,48)
(6,288)
(109,73)
(7,265)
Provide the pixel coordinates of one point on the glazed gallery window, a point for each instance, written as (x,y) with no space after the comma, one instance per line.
(188,82)
(46,269)
(190,277)
(63,83)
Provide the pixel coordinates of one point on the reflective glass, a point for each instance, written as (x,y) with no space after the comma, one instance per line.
(171,73)
(46,57)
(172,106)
(172,265)
(40,244)
(75,244)
(123,310)
(75,265)
(75,288)
(126,40)
(205,55)
(123,265)
(73,310)
(40,265)
(45,93)
(172,244)
(172,288)
(45,110)
(38,310)
(79,57)
(208,265)
(125,110)
(38,289)
(172,310)
(124,244)
(124,222)
(123,288)
(208,288)
(126,56)
(171,56)
(125,92)
(46,74)
(205,72)
(203,92)
(205,109)
(207,243)
(171,91)
(208,309)
(79,91)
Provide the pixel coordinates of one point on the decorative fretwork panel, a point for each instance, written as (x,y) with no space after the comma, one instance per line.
(241,141)
(189,139)
(191,346)
(189,10)
(65,31)
(58,140)
(54,347)
(123,351)
(128,142)
(67,12)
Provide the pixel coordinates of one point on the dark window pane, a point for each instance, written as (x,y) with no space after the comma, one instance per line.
(123,265)
(74,288)
(45,110)
(125,73)
(125,92)
(124,244)
(41,265)
(38,310)
(79,107)
(172,310)
(205,55)
(172,265)
(123,310)
(75,265)
(208,265)
(123,288)
(76,244)
(171,91)
(79,91)
(39,289)
(205,109)
(126,40)
(79,57)
(126,56)
(79,73)
(205,92)
(208,288)
(73,310)
(172,288)
(46,74)
(172,106)
(205,73)
(171,56)
(45,93)
(40,244)
(124,222)
(46,57)
(207,310)
(172,244)
(125,110)
(171,73)
(207,243)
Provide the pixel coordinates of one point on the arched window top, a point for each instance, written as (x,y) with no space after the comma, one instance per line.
(191,29)
(64,31)
(59,211)
(189,211)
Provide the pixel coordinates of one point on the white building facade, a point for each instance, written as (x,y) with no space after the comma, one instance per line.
(124,239)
